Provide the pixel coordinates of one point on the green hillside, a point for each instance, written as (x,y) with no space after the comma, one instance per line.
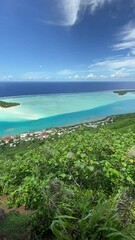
(79,185)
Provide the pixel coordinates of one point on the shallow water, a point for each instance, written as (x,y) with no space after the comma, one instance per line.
(45,111)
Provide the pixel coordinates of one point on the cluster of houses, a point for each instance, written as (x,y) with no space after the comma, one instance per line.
(13,141)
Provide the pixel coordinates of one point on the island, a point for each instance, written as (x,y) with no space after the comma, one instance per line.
(123,92)
(8,104)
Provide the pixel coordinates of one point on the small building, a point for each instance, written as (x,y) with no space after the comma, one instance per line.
(7,139)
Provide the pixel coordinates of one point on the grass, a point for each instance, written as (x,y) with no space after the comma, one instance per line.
(123,123)
(15,226)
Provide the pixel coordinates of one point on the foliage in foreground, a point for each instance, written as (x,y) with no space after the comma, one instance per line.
(85,215)
(15,226)
(80,184)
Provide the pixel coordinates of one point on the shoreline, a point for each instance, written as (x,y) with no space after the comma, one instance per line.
(123,92)
(14,140)
(89,124)
(6,105)
(80,117)
(23,112)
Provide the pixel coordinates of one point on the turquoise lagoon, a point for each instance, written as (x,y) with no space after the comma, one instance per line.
(39,112)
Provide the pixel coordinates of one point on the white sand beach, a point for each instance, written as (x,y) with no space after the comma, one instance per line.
(41,106)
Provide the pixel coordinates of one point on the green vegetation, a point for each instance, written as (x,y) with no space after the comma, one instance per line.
(15,226)
(8,104)
(80,185)
(123,92)
(122,123)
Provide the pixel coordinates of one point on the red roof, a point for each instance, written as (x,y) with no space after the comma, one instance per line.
(44,134)
(7,138)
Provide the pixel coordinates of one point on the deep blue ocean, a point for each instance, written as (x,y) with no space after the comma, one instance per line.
(30,88)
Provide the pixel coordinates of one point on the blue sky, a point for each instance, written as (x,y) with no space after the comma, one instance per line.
(67,40)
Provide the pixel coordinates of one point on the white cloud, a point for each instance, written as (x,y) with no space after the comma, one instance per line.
(91,75)
(116,63)
(65,72)
(120,74)
(94,4)
(76,76)
(126,38)
(103,76)
(6,77)
(69,10)
(118,67)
